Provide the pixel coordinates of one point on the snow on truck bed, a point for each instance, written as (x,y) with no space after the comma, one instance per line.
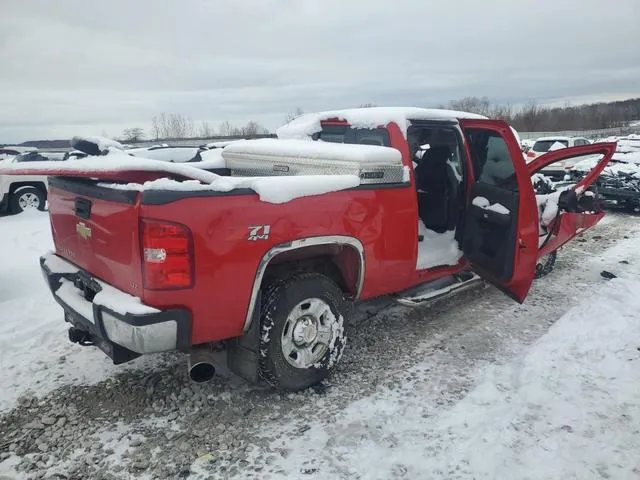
(278,189)
(306,125)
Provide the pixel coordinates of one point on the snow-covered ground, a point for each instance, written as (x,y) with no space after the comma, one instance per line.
(473,387)
(35,355)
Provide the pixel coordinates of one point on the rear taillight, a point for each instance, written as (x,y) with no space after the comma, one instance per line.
(167,255)
(530,154)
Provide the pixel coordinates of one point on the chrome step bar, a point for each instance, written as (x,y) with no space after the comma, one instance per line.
(438,289)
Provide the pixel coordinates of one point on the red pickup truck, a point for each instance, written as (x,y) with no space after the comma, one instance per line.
(269,253)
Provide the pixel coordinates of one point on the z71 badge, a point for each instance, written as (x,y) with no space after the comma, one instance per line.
(259,232)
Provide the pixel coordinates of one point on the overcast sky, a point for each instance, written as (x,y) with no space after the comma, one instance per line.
(90,67)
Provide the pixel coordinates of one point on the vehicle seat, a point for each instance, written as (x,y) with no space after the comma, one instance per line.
(433,186)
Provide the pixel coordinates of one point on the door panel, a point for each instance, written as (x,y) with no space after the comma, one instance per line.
(501,229)
(572,221)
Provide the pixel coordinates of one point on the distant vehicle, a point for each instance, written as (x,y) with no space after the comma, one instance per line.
(548,144)
(25,192)
(12,151)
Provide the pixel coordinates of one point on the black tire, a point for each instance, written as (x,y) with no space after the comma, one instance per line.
(545,265)
(280,302)
(27,197)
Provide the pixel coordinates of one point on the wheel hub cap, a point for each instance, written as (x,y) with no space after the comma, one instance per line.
(305,331)
(28,200)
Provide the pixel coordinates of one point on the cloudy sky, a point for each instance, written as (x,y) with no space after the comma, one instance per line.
(93,67)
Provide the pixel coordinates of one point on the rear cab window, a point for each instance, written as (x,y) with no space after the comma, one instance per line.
(347,134)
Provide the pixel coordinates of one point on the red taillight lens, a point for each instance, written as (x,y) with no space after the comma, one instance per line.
(167,255)
(530,154)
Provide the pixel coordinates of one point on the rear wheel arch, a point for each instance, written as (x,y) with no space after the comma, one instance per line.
(340,258)
(15,186)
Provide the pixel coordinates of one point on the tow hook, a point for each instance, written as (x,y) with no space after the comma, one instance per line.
(80,336)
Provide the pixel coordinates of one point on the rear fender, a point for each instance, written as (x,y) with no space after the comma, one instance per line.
(350,261)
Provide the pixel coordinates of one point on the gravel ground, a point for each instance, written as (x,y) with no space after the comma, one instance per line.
(156,424)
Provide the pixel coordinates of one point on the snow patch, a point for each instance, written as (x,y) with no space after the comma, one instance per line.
(171,154)
(436,249)
(484,203)
(271,147)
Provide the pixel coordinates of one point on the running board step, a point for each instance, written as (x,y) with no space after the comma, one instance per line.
(438,289)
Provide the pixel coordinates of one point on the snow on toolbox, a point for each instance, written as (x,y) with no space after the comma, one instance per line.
(371,164)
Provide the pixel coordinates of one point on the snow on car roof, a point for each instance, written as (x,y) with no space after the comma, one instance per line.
(315,150)
(307,124)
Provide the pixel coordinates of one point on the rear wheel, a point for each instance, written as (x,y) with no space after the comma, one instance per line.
(302,331)
(27,198)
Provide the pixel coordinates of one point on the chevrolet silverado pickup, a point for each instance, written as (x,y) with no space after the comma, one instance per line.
(268,255)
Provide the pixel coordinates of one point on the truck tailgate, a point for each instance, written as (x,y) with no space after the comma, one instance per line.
(97,229)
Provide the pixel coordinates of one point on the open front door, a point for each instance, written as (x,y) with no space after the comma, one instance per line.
(501,228)
(575,208)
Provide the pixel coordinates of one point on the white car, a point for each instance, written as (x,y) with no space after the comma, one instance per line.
(548,144)
(24,192)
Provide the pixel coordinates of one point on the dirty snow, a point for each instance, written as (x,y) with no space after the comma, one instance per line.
(297,149)
(568,407)
(304,126)
(436,249)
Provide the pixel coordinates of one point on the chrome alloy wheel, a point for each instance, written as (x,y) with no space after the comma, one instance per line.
(308,332)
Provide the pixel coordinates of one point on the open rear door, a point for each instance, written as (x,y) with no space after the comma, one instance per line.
(578,211)
(501,228)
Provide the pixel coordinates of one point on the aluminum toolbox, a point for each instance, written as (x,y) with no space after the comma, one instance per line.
(310,159)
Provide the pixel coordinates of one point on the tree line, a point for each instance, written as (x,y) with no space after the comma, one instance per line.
(175,125)
(534,117)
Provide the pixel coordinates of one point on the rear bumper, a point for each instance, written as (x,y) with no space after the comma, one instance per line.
(116,322)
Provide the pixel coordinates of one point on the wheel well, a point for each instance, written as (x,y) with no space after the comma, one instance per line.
(341,263)
(39,185)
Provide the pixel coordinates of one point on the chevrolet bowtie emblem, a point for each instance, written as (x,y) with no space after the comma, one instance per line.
(83,230)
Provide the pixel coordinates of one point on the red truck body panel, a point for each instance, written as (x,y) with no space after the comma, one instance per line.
(226,261)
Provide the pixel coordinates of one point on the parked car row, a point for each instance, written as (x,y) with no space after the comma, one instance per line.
(619,183)
(18,193)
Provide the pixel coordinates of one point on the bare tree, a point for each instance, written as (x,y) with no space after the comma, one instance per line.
(252,128)
(225,128)
(205,130)
(172,125)
(155,128)
(292,116)
(132,134)
(477,105)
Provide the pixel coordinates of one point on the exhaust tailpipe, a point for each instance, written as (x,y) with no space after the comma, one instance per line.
(201,367)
